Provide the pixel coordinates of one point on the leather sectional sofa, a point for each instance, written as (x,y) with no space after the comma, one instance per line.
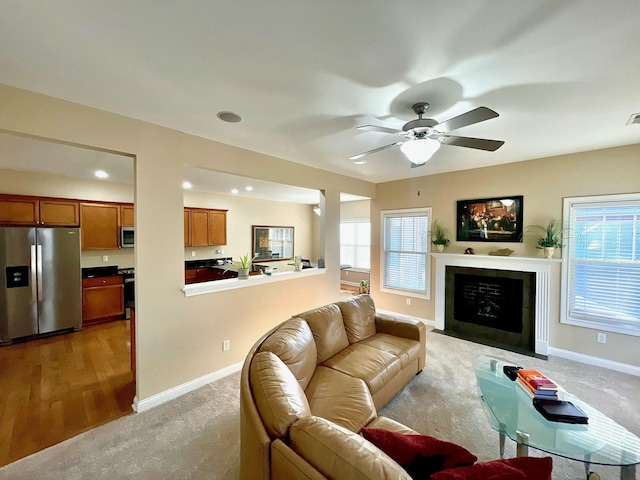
(311,384)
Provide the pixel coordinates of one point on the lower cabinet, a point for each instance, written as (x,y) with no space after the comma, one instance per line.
(102,299)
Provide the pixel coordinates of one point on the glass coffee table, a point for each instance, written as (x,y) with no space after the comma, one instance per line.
(511,413)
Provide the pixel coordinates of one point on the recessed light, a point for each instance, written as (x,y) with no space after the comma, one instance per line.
(360,162)
(248,188)
(234,191)
(229,117)
(186,185)
(101,174)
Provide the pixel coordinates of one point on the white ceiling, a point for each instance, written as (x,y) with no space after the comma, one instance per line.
(563,75)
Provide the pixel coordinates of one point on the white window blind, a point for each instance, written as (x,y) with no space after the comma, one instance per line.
(355,243)
(601,271)
(405,254)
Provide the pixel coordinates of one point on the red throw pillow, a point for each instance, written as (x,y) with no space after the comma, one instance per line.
(526,468)
(419,455)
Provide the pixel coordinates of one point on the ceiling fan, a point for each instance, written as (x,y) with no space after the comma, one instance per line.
(423,136)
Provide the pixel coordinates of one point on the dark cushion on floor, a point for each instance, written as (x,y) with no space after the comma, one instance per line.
(419,455)
(526,468)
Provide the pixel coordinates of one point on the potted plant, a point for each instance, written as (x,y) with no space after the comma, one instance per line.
(244,265)
(550,237)
(439,236)
(297,263)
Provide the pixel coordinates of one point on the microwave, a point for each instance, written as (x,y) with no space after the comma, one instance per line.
(127,237)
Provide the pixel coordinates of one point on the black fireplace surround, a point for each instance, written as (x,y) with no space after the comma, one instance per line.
(492,307)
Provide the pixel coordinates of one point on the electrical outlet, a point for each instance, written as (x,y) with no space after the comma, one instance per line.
(193,253)
(226,345)
(408,301)
(601,337)
(105,258)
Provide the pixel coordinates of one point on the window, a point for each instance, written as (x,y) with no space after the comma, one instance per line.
(601,268)
(355,243)
(405,258)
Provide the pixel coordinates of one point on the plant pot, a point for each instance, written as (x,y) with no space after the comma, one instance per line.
(243,274)
(297,267)
(439,248)
(548,252)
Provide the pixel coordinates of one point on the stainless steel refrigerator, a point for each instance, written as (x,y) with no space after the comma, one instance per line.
(41,284)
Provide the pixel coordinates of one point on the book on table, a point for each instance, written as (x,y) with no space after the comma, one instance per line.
(536,380)
(536,393)
(560,411)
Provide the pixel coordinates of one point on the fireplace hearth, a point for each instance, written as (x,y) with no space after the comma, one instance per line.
(493,307)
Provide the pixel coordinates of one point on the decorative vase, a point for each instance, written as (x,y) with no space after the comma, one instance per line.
(243,274)
(297,267)
(439,248)
(548,252)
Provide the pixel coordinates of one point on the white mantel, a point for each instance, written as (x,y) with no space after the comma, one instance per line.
(542,267)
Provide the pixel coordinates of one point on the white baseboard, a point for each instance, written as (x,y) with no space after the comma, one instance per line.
(597,361)
(175,392)
(430,323)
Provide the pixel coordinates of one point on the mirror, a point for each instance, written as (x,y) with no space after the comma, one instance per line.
(272,243)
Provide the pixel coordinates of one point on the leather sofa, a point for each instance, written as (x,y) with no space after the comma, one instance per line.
(312,383)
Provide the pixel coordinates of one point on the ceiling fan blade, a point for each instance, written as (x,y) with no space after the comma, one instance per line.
(476,115)
(375,150)
(477,143)
(376,128)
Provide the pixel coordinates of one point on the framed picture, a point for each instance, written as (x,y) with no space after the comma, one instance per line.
(489,220)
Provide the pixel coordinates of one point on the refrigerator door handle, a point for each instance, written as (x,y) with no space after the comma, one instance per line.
(34,280)
(39,263)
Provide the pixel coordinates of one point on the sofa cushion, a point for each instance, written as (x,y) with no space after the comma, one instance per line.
(293,343)
(419,455)
(278,395)
(328,330)
(339,453)
(338,397)
(405,349)
(528,468)
(359,316)
(376,367)
(389,424)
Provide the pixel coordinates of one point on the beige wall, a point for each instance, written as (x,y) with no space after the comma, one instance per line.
(355,210)
(543,183)
(179,338)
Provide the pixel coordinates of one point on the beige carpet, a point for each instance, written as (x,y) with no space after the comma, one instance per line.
(197,435)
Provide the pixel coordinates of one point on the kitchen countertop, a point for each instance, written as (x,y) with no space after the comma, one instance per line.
(106,271)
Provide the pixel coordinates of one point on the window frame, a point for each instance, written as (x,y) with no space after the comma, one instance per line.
(608,325)
(426,295)
(357,220)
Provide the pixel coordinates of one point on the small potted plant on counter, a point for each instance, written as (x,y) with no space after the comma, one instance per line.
(550,237)
(439,236)
(244,265)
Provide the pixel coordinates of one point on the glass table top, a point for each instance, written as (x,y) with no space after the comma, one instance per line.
(510,410)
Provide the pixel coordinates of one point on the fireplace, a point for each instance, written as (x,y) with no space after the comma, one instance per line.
(547,288)
(494,307)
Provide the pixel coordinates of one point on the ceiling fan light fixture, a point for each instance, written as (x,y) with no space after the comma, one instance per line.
(420,150)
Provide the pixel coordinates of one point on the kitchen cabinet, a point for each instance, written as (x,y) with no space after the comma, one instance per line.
(127,215)
(206,274)
(100,226)
(102,299)
(34,211)
(204,227)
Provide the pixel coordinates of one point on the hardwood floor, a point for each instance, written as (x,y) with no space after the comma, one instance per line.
(57,387)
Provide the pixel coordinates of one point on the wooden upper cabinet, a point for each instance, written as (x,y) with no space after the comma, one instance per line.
(217,227)
(127,216)
(59,213)
(199,228)
(187,227)
(204,227)
(33,211)
(19,210)
(100,226)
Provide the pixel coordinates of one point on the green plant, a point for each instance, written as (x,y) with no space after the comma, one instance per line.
(439,234)
(551,235)
(246,261)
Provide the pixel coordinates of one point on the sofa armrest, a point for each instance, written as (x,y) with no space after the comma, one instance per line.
(406,328)
(401,327)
